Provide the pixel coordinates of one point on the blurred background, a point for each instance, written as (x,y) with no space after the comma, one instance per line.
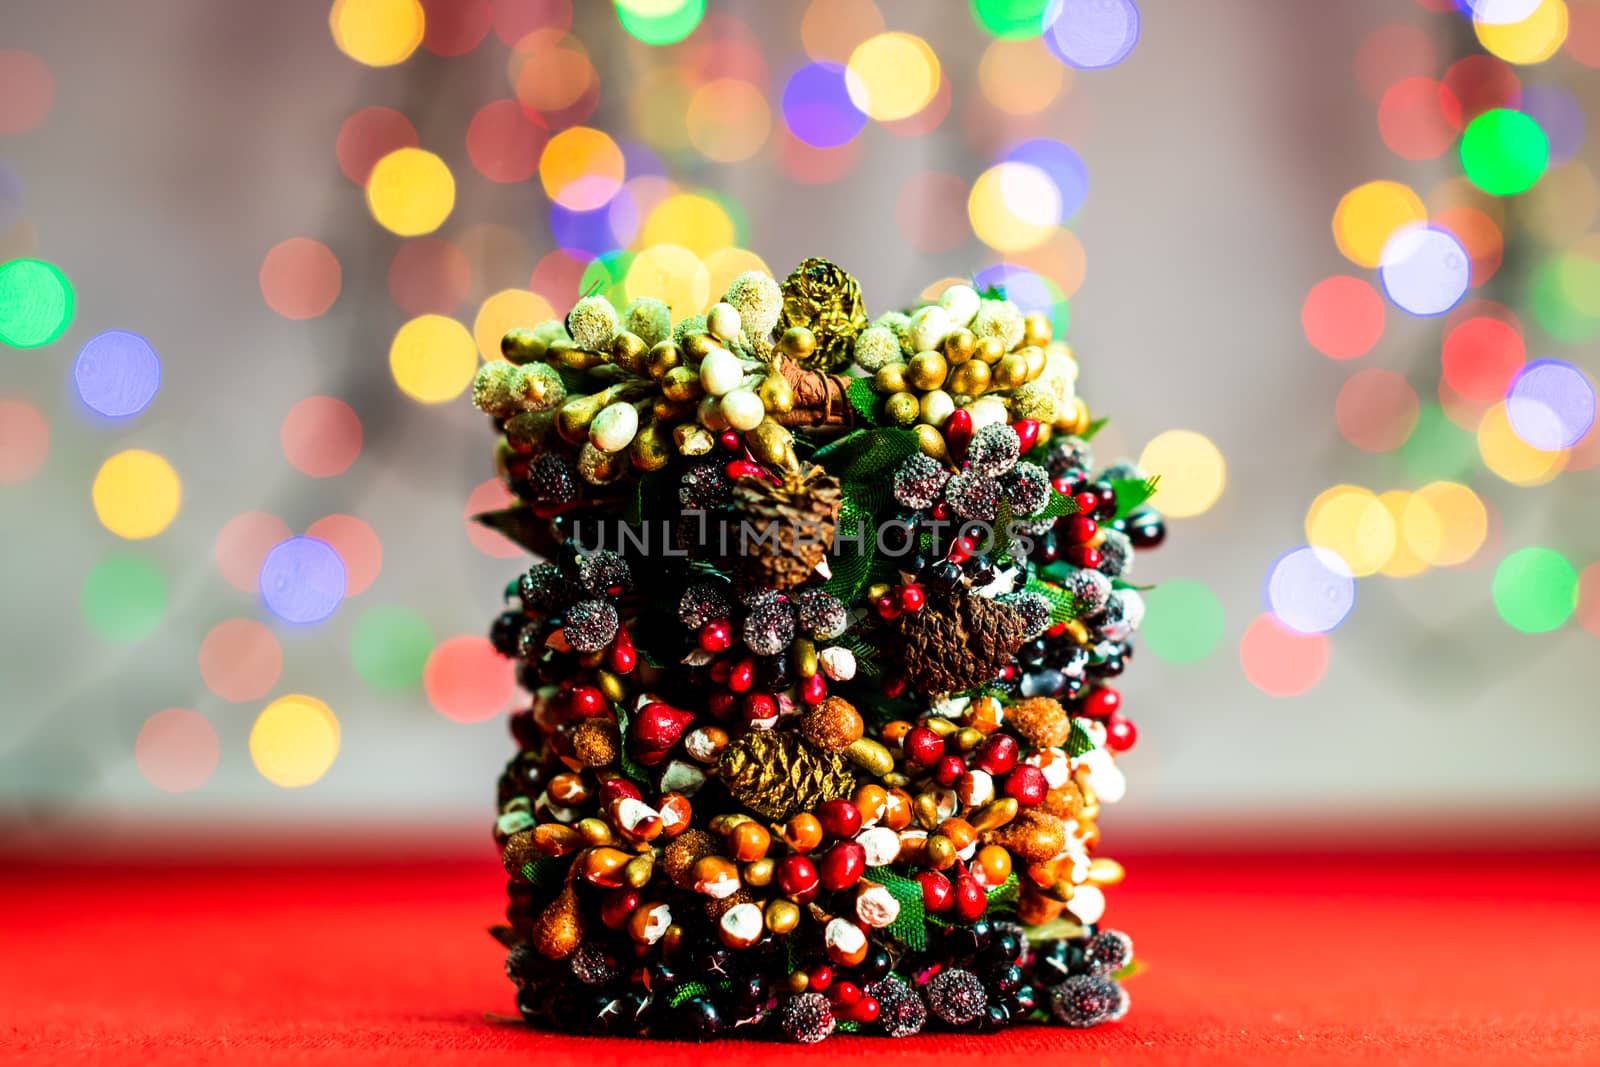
(1331,269)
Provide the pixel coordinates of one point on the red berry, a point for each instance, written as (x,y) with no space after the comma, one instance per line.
(894,687)
(1027,431)
(819,978)
(1084,556)
(742,676)
(618,788)
(1078,528)
(970,901)
(1026,785)
(719,671)
(1086,502)
(716,636)
(1062,485)
(760,708)
(624,657)
(797,877)
(842,865)
(887,608)
(730,440)
(949,770)
(912,598)
(1101,703)
(923,747)
(937,893)
(814,690)
(658,726)
(841,818)
(586,702)
(720,703)
(958,433)
(942,511)
(1120,734)
(617,905)
(865,1010)
(845,994)
(958,554)
(743,468)
(998,755)
(1057,630)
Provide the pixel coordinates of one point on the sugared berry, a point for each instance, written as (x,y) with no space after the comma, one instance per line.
(1083,1001)
(1108,952)
(806,1018)
(956,996)
(901,1012)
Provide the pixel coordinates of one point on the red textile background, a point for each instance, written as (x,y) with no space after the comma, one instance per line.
(1264,958)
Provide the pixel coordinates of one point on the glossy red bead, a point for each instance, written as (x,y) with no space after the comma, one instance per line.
(937,892)
(969,902)
(912,598)
(1120,734)
(617,905)
(894,687)
(865,1010)
(1101,703)
(1026,785)
(1062,485)
(998,755)
(742,677)
(624,657)
(759,707)
(721,703)
(814,690)
(842,865)
(819,978)
(797,877)
(949,770)
(731,441)
(958,433)
(888,607)
(841,818)
(618,788)
(1027,431)
(586,702)
(716,635)
(923,747)
(1086,502)
(845,994)
(1084,556)
(1078,528)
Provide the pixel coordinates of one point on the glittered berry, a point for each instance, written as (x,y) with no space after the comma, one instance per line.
(590,625)
(901,1012)
(973,496)
(1101,703)
(919,481)
(592,965)
(1089,589)
(703,602)
(603,573)
(769,627)
(821,614)
(956,996)
(806,1018)
(504,634)
(1120,734)
(552,480)
(1034,609)
(1108,952)
(923,747)
(1068,457)
(1116,554)
(994,450)
(1083,1001)
(544,589)
(704,487)
(1027,487)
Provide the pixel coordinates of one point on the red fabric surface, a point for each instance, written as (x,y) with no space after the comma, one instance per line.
(1249,959)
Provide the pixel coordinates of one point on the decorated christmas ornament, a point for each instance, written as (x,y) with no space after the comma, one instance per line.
(817,652)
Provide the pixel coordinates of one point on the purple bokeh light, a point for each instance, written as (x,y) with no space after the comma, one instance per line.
(1062,164)
(1311,590)
(117,373)
(302,580)
(1551,405)
(1091,34)
(818,108)
(1424,270)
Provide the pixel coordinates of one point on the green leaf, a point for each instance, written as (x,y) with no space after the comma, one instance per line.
(1004,896)
(1132,492)
(1094,427)
(1060,506)
(1002,530)
(545,871)
(1134,967)
(910,926)
(865,400)
(1079,741)
(519,524)
(863,462)
(639,775)
(1063,607)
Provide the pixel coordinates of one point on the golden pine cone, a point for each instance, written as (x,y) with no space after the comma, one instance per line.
(777,775)
(823,298)
(958,643)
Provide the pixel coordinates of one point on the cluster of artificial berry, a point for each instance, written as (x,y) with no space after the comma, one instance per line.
(761,793)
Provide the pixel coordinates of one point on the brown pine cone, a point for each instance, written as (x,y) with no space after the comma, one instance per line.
(787,528)
(956,643)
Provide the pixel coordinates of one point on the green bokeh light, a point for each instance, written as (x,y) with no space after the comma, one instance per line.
(604,276)
(1438,450)
(1011,18)
(1504,152)
(1535,590)
(123,598)
(646,20)
(1183,623)
(1553,295)
(390,645)
(36,303)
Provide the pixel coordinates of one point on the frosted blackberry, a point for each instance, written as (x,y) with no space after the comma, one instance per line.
(592,965)
(1084,1000)
(769,627)
(1034,609)
(1090,589)
(1120,1008)
(705,487)
(1116,553)
(956,996)
(1068,457)
(1108,952)
(544,589)
(973,495)
(919,481)
(604,573)
(821,614)
(703,602)
(1027,486)
(590,625)
(994,449)
(552,480)
(901,1012)
(806,1018)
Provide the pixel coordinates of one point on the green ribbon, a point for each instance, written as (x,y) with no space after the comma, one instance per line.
(864,462)
(1132,492)
(910,926)
(1079,741)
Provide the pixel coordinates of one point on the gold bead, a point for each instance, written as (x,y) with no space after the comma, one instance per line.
(903,408)
(1035,357)
(759,872)
(782,916)
(662,358)
(771,443)
(776,394)
(968,738)
(797,343)
(1036,328)
(890,378)
(941,852)
(698,346)
(651,449)
(932,442)
(522,346)
(1010,372)
(629,352)
(970,378)
(927,370)
(611,686)
(682,383)
(991,349)
(960,346)
(805,657)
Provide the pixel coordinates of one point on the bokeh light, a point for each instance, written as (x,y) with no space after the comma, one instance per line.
(136,494)
(503,143)
(554,78)
(390,645)
(1481,356)
(1342,317)
(893,76)
(411,192)
(671,274)
(24,441)
(1021,77)
(726,264)
(302,580)
(1310,590)
(581,168)
(490,495)
(294,741)
(243,543)
(378,33)
(123,598)
(358,546)
(504,310)
(1504,152)
(1011,18)
(1418,118)
(240,660)
(515,19)
(429,276)
(1551,405)
(1354,524)
(1393,53)
(819,106)
(300,278)
(369,135)
(1091,34)
(1480,236)
(1368,216)
(467,680)
(1512,458)
(1535,590)
(1280,662)
(1191,469)
(1376,410)
(117,373)
(1444,524)
(831,29)
(27,90)
(36,303)
(1438,449)
(660,22)
(1559,115)
(455,27)
(321,436)
(433,359)
(1402,561)
(728,120)
(1014,206)
(931,211)
(177,750)
(1588,611)
(1064,167)
(1528,40)
(1424,270)
(1480,83)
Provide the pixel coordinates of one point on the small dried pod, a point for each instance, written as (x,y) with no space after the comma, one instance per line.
(640,870)
(595,831)
(940,852)
(716,876)
(967,739)
(568,790)
(558,931)
(782,916)
(913,848)
(634,819)
(870,755)
(705,743)
(604,867)
(741,925)
(994,814)
(839,664)
(926,807)
(1035,909)
(649,922)
(676,813)
(882,845)
(875,905)
(553,839)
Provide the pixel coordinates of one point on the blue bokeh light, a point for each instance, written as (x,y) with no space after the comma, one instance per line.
(1091,34)
(302,580)
(1424,270)
(117,373)
(1310,590)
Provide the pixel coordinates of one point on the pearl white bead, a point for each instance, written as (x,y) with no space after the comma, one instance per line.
(929,327)
(723,322)
(721,372)
(743,409)
(709,414)
(936,407)
(986,411)
(960,302)
(614,428)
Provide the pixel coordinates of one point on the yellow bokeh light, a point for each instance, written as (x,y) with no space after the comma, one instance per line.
(1444,524)
(687,220)
(1021,77)
(294,741)
(581,169)
(379,33)
(657,109)
(1510,456)
(502,311)
(136,494)
(1368,215)
(1533,40)
(673,275)
(726,264)
(831,29)
(433,358)
(1192,472)
(1014,207)
(728,120)
(1403,562)
(411,192)
(1354,523)
(895,76)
